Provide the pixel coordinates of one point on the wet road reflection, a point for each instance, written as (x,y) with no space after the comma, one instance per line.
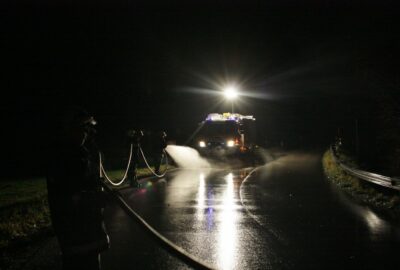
(201,211)
(227,231)
(217,210)
(322,227)
(285,215)
(378,227)
(201,198)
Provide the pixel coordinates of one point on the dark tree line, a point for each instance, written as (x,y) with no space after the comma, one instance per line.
(372,131)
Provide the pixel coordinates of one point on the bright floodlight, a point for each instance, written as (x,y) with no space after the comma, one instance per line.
(230,92)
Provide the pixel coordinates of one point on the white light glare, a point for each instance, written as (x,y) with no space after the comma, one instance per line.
(202,144)
(230,143)
(230,92)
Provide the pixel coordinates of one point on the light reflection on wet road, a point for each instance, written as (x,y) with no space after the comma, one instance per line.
(285,215)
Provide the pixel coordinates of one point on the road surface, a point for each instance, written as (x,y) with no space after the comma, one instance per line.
(283,215)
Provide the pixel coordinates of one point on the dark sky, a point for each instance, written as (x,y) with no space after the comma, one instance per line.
(135,64)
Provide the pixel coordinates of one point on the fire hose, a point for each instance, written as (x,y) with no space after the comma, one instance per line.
(172,248)
(104,174)
(149,167)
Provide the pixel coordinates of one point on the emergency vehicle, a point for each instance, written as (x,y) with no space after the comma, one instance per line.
(226,134)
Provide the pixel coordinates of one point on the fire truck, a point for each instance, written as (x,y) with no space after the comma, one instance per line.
(226,134)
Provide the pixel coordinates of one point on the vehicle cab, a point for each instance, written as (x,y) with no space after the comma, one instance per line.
(225,134)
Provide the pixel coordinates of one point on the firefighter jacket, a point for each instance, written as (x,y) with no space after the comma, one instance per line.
(76,200)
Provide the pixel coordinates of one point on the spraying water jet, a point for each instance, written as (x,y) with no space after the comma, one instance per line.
(187,157)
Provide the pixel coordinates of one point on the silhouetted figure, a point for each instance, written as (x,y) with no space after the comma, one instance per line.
(159,146)
(76,198)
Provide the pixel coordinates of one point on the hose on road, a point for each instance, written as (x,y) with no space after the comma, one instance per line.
(172,248)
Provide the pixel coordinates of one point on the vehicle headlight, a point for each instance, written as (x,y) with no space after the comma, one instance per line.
(230,143)
(202,143)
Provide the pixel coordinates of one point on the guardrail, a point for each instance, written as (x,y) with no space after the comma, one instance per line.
(385,181)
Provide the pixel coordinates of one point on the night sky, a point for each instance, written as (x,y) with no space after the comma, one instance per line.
(304,69)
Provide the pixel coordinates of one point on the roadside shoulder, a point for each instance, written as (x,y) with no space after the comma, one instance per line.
(385,201)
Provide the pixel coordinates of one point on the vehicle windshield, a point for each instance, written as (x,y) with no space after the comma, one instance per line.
(223,128)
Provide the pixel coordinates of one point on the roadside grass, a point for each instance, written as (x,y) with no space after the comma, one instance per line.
(24,211)
(20,191)
(347,158)
(387,201)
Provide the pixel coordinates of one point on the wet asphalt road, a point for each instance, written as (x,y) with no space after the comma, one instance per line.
(283,215)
